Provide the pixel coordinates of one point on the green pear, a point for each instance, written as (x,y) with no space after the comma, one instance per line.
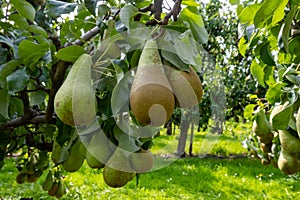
(151,97)
(56,152)
(289,143)
(75,101)
(261,126)
(287,163)
(99,150)
(118,171)
(186,86)
(76,157)
(142,161)
(47,184)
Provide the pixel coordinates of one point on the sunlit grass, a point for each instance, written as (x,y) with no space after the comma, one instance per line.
(188,178)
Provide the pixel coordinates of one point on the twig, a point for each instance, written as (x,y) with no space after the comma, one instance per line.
(174,12)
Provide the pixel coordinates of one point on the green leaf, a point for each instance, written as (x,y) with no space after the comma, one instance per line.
(37,30)
(174,59)
(257,70)
(57,8)
(4,102)
(269,75)
(294,46)
(243,45)
(279,12)
(91,6)
(274,92)
(193,17)
(286,28)
(6,69)
(190,3)
(266,11)
(70,53)
(102,10)
(36,98)
(17,81)
(249,109)
(29,49)
(265,55)
(120,94)
(19,20)
(248,13)
(281,120)
(234,2)
(16,106)
(126,14)
(24,8)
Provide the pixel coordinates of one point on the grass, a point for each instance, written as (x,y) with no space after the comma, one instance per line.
(188,178)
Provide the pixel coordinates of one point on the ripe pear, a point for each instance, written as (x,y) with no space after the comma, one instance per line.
(118,171)
(21,178)
(186,86)
(287,163)
(142,161)
(74,102)
(151,97)
(53,189)
(99,151)
(76,157)
(289,143)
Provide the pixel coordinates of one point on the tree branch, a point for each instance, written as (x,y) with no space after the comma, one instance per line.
(174,12)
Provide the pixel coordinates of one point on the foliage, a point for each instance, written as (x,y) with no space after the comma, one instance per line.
(39,42)
(271,37)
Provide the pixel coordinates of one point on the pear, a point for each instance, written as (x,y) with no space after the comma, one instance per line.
(21,177)
(186,86)
(74,102)
(142,161)
(289,143)
(56,152)
(76,157)
(61,189)
(261,126)
(288,163)
(47,184)
(53,189)
(118,171)
(99,150)
(151,97)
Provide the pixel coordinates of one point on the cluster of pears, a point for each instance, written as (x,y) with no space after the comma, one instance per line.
(54,185)
(119,166)
(31,168)
(158,87)
(289,156)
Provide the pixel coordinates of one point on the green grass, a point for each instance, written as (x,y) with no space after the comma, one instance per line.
(188,178)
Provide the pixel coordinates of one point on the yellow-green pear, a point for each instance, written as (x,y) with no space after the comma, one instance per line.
(74,102)
(289,143)
(118,171)
(151,96)
(287,163)
(76,157)
(99,150)
(186,86)
(142,161)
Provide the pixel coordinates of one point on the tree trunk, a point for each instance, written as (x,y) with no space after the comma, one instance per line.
(191,140)
(169,127)
(182,138)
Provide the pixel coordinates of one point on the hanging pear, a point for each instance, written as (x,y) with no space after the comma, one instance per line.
(118,171)
(76,157)
(74,102)
(298,122)
(151,97)
(186,86)
(99,150)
